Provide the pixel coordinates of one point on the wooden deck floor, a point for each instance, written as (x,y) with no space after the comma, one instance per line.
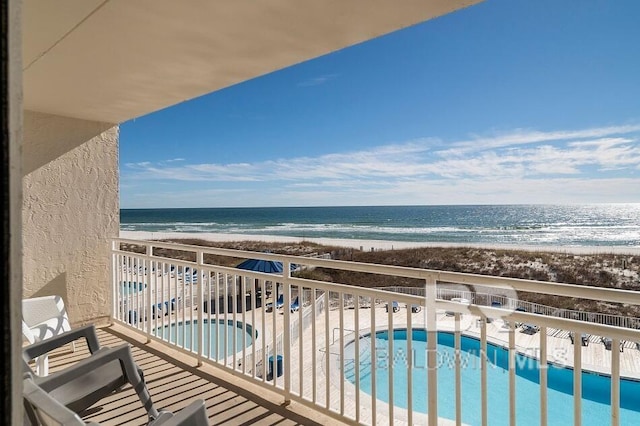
(174,381)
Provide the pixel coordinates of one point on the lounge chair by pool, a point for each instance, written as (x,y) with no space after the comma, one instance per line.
(584,338)
(278,305)
(395,307)
(295,305)
(608,341)
(529,328)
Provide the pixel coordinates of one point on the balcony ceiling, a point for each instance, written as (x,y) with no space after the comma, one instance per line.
(113,60)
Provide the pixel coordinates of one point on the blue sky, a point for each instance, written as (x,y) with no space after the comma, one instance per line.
(507,101)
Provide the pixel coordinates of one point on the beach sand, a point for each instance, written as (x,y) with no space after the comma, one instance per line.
(370,245)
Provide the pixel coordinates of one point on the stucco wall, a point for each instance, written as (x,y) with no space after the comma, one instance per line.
(70,212)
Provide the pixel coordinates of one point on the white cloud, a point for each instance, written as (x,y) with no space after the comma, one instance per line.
(523,136)
(563,166)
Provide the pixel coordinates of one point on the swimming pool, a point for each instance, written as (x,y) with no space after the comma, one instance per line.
(215,333)
(595,387)
(131,287)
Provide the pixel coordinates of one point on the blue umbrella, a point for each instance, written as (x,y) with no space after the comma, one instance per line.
(259,265)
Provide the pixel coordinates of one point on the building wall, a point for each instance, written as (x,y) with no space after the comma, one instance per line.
(11,24)
(70,212)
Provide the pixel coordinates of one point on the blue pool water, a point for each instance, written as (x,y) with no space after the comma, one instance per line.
(214,334)
(131,287)
(595,387)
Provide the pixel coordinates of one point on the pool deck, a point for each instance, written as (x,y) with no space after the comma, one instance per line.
(595,356)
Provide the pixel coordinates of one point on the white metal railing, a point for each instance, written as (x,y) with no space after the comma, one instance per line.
(383,363)
(309,315)
(487,299)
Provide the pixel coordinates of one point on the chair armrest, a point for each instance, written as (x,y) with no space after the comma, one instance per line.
(194,414)
(102,357)
(37,349)
(89,364)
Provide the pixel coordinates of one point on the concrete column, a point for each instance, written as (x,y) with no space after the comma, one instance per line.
(70,212)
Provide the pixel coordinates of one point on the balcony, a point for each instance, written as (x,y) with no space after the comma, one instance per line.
(460,348)
(174,380)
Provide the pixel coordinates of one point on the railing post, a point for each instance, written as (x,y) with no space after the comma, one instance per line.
(150,282)
(200,287)
(577,379)
(544,368)
(114,281)
(615,381)
(432,348)
(458,370)
(341,361)
(286,273)
(512,373)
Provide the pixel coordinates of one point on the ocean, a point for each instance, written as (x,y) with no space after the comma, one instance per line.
(544,225)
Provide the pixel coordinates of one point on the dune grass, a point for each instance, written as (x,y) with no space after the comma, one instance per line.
(602,270)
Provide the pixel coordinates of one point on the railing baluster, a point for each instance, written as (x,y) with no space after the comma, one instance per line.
(409,365)
(264,337)
(243,293)
(313,347)
(615,381)
(114,281)
(126,295)
(254,306)
(225,316)
(458,370)
(215,305)
(166,295)
(149,291)
(432,347)
(341,351)
(389,358)
(374,361)
(577,380)
(274,334)
(234,318)
(327,355)
(180,303)
(286,273)
(300,340)
(356,320)
(201,321)
(158,319)
(544,368)
(483,371)
(122,278)
(512,374)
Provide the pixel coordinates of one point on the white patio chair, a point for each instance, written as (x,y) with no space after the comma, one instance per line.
(42,318)
(65,394)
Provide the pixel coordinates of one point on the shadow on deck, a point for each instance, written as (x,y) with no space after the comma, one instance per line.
(174,381)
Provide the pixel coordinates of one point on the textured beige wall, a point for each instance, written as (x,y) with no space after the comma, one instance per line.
(70,212)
